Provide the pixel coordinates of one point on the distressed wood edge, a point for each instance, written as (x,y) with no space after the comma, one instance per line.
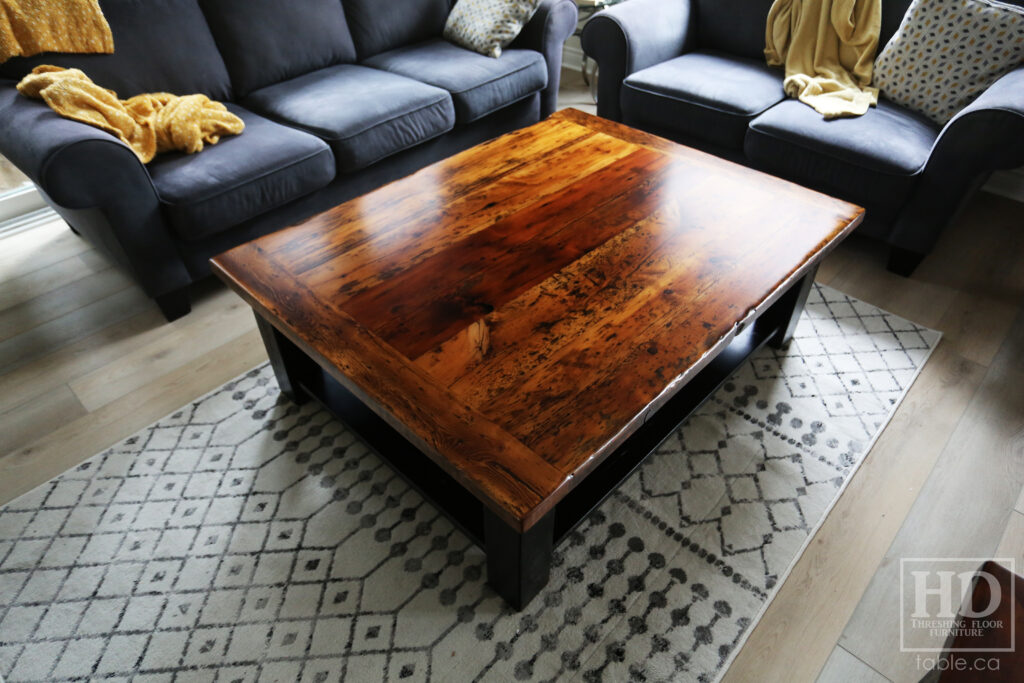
(494,492)
(809,264)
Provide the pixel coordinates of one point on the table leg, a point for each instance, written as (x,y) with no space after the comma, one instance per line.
(518,564)
(288,362)
(785,313)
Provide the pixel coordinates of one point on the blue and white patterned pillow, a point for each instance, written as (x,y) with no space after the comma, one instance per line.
(947,52)
(488,26)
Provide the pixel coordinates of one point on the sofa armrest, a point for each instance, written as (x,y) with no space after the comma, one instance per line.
(989,132)
(631,36)
(984,136)
(83,169)
(546,32)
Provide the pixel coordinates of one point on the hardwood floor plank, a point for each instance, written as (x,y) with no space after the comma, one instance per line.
(77,358)
(967,313)
(29,251)
(842,667)
(74,325)
(53,304)
(18,290)
(1011,545)
(923,302)
(982,464)
(113,344)
(27,467)
(813,605)
(38,417)
(188,338)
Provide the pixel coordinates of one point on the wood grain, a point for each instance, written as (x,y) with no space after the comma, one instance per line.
(801,628)
(518,309)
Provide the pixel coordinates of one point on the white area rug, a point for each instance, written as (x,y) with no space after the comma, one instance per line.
(244,539)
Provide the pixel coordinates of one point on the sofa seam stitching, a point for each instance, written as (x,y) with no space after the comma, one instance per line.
(262,176)
(801,145)
(704,106)
(393,118)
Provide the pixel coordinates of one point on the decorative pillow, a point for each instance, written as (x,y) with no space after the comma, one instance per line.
(487,26)
(947,52)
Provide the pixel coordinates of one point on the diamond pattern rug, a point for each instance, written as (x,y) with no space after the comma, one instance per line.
(245,539)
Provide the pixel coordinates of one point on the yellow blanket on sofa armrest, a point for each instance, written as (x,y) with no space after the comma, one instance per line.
(28,27)
(828,48)
(149,123)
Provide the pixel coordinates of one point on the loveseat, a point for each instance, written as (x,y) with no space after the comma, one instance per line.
(694,71)
(338,97)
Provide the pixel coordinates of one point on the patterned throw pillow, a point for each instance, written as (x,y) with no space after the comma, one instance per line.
(487,26)
(947,52)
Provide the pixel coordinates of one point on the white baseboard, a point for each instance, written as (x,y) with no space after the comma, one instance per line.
(26,221)
(23,209)
(19,202)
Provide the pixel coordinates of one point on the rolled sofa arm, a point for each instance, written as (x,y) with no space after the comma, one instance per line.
(631,36)
(546,32)
(986,135)
(88,173)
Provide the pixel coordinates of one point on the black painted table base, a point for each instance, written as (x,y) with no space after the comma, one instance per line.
(519,564)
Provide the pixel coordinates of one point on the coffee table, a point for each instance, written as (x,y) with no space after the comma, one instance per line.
(515,328)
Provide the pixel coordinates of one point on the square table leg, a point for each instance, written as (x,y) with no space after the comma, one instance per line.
(289,363)
(785,313)
(518,564)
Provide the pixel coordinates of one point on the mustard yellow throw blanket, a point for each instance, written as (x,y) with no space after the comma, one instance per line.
(28,27)
(149,124)
(828,48)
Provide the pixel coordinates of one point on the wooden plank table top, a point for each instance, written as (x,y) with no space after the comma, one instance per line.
(516,311)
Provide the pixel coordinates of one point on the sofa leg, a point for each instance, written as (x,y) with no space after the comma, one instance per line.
(174,304)
(903,261)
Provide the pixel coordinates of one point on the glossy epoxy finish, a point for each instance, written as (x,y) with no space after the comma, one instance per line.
(518,309)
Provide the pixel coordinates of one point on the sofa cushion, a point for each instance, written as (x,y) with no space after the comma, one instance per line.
(376,28)
(364,114)
(159,46)
(478,84)
(733,26)
(872,159)
(936,71)
(265,41)
(704,95)
(267,166)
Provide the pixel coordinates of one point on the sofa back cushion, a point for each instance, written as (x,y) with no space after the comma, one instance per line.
(269,41)
(159,46)
(733,26)
(738,26)
(381,26)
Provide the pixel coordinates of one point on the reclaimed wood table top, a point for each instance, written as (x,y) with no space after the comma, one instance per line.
(519,309)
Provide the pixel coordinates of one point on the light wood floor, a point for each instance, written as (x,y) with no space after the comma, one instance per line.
(10,177)
(86,359)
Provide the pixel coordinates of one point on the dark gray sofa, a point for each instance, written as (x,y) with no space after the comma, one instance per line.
(338,97)
(694,71)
